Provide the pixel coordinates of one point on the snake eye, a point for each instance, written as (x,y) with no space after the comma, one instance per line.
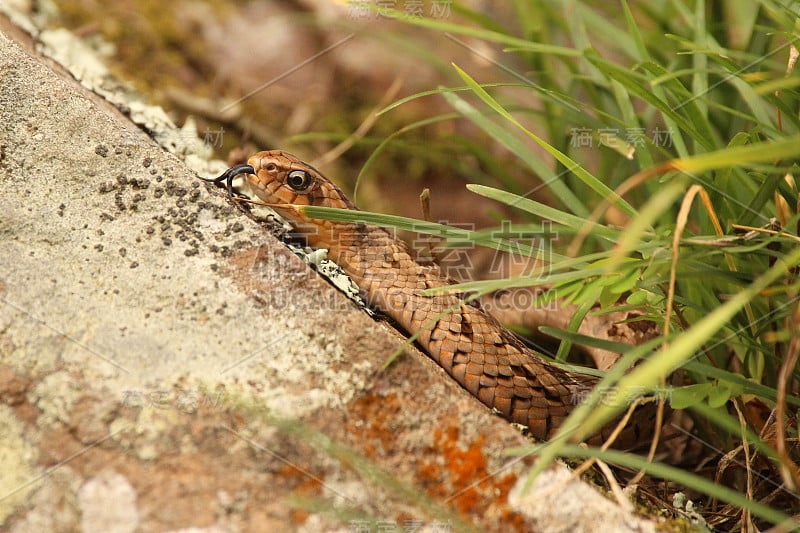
(299,180)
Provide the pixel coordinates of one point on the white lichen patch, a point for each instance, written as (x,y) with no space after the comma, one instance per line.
(312,372)
(55,395)
(332,272)
(151,425)
(687,509)
(16,11)
(53,505)
(108,503)
(18,474)
(73,54)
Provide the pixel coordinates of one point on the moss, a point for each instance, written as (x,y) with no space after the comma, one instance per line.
(155,40)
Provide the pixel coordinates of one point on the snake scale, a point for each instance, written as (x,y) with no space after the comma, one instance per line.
(468,343)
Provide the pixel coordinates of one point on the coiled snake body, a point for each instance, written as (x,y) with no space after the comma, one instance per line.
(469,344)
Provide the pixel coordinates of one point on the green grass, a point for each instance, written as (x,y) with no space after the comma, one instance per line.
(708,84)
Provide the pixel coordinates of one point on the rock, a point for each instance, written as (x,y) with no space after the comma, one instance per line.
(558,504)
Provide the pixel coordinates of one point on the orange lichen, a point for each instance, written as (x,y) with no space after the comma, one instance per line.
(298,516)
(449,469)
(303,484)
(464,478)
(375,417)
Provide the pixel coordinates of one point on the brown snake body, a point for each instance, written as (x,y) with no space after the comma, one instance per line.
(469,344)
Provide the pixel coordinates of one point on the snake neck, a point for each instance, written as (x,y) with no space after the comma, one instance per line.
(376,259)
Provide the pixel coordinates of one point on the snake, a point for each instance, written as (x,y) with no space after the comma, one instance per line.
(472,347)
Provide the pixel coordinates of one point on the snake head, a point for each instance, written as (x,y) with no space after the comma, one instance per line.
(279,178)
(284,183)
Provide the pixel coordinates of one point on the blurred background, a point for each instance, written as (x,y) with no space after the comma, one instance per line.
(306,75)
(309,76)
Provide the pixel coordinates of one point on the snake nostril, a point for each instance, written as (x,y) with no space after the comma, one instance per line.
(271,167)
